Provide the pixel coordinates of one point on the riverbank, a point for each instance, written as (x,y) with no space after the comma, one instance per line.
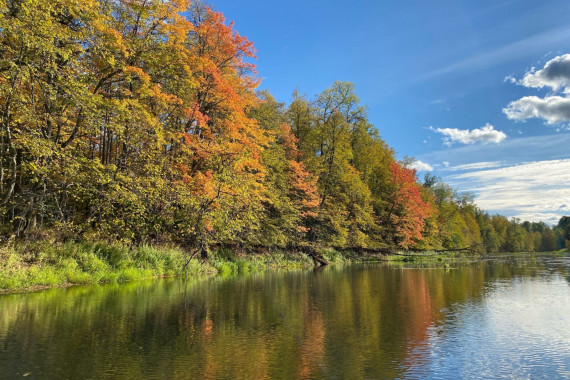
(35,266)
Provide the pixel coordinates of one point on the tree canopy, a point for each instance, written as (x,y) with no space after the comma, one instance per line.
(140,121)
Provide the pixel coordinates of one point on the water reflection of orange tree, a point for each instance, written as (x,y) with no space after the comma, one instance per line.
(312,350)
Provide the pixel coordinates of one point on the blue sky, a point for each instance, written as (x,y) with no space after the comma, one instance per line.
(476,91)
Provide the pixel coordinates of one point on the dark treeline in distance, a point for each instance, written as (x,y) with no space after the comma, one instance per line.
(139,122)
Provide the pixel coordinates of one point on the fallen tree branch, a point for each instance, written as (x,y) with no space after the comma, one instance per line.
(318,259)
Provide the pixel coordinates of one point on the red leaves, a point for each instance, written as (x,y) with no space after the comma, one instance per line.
(224,90)
(409,211)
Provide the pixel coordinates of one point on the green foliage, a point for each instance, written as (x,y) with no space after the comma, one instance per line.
(333,256)
(128,123)
(43,264)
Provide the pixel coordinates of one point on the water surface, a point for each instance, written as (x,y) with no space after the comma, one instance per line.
(505,318)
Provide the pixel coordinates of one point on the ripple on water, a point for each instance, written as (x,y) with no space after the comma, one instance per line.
(521,331)
(492,319)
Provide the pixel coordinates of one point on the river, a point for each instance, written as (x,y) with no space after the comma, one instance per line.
(497,318)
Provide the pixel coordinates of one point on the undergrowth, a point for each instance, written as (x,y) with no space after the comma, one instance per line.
(33,265)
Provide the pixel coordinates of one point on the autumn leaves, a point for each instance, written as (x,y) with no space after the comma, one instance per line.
(138,121)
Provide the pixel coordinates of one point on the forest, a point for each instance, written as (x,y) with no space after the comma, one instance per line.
(140,122)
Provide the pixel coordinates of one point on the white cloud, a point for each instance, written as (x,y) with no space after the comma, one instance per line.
(546,217)
(487,134)
(517,191)
(512,151)
(555,74)
(446,164)
(474,165)
(421,166)
(552,109)
(536,191)
(510,79)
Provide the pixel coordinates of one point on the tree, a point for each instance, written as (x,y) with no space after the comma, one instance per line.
(221,154)
(301,116)
(564,226)
(489,236)
(291,197)
(43,97)
(407,211)
(548,240)
(345,214)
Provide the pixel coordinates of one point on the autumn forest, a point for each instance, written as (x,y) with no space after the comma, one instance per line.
(141,122)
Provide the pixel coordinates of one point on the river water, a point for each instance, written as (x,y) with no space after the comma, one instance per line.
(497,318)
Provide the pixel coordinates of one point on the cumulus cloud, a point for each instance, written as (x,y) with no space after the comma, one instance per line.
(486,134)
(552,109)
(421,166)
(555,74)
(536,191)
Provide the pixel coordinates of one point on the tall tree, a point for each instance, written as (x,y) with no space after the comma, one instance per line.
(346,213)
(407,211)
(222,145)
(43,95)
(291,197)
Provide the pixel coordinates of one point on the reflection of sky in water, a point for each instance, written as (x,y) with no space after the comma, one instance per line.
(519,330)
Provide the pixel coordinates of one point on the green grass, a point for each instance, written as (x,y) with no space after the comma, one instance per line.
(33,265)
(228,263)
(30,266)
(334,256)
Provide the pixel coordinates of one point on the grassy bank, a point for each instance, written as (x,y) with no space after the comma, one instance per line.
(33,266)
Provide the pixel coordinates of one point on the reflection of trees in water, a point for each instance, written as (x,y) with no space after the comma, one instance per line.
(359,321)
(312,347)
(419,314)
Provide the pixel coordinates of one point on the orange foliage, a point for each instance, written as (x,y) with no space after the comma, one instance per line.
(219,135)
(408,211)
(303,183)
